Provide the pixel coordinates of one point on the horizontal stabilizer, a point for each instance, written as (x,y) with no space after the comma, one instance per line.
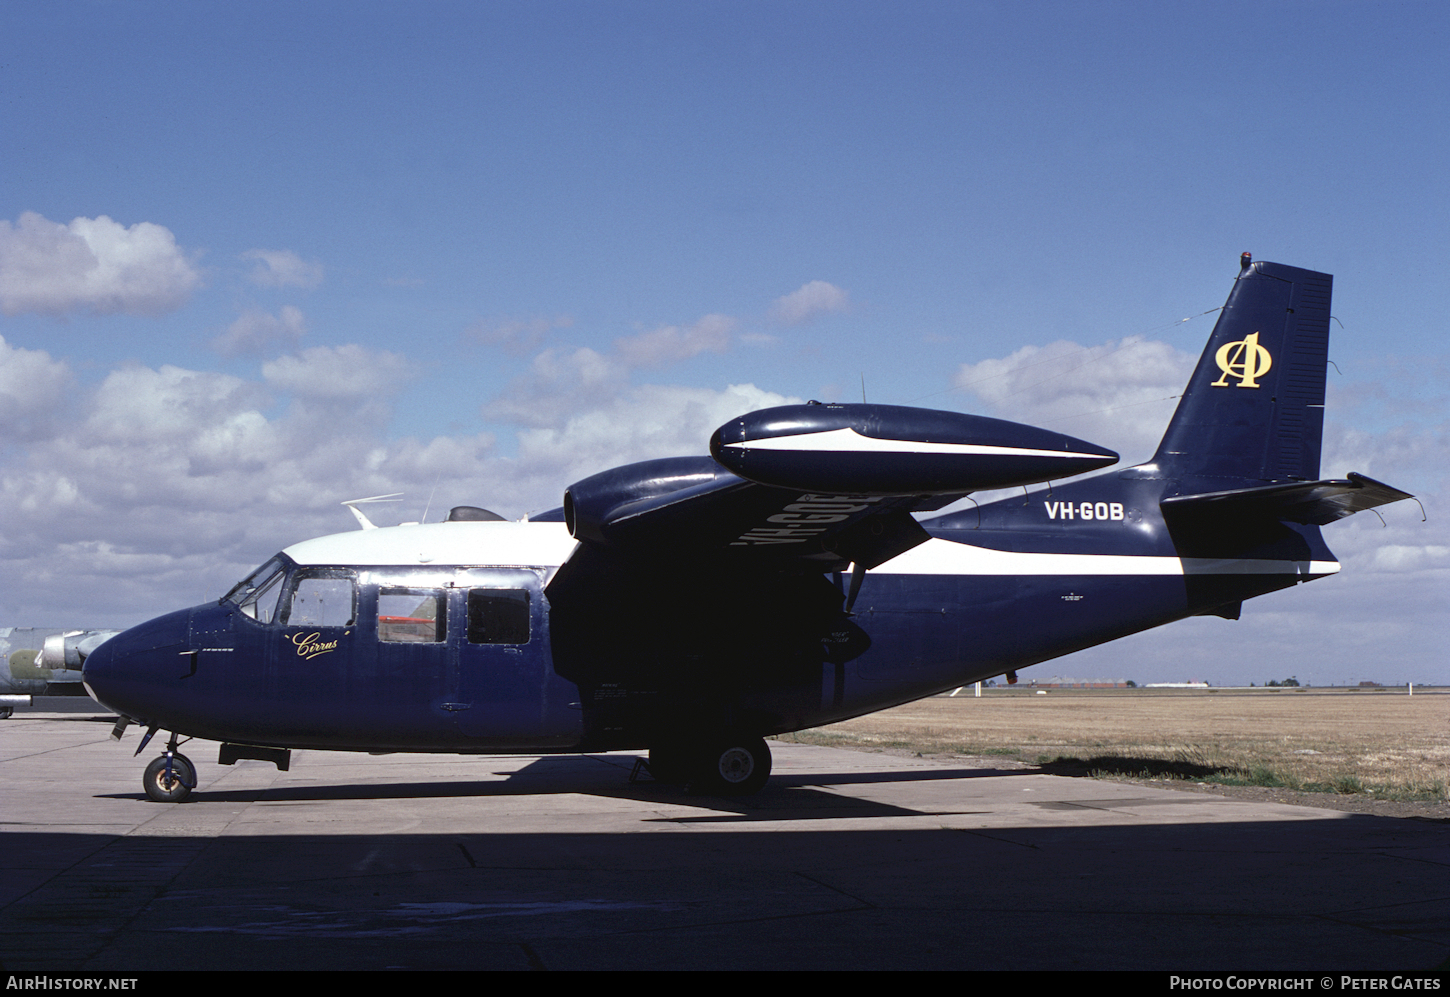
(1313,503)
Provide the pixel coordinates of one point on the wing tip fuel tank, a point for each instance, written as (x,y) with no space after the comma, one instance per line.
(896,450)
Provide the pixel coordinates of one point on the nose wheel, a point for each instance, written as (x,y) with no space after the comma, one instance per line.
(170,778)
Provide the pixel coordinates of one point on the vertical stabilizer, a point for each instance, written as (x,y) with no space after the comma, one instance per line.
(1254,409)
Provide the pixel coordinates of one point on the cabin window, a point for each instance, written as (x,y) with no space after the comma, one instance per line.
(498,616)
(322,600)
(414,616)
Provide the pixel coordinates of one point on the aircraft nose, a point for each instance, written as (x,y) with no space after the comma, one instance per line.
(97,671)
(133,673)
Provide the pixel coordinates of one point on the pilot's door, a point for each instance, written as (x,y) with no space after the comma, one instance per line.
(498,623)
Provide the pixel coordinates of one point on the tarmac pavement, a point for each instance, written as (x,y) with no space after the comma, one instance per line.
(847,860)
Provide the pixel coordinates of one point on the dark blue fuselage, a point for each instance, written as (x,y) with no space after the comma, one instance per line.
(615,663)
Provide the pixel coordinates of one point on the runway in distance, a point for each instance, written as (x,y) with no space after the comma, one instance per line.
(692,606)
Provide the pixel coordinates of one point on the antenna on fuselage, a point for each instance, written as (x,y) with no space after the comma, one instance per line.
(363,521)
(430,497)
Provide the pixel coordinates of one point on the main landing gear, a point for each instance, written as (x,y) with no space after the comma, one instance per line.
(728,765)
(170,778)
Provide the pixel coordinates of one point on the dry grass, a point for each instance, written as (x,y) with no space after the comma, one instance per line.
(1380,743)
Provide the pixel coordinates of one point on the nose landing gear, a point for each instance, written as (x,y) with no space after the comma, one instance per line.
(170,778)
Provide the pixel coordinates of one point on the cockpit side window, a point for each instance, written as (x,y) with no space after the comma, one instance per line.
(411,615)
(322,597)
(261,605)
(256,595)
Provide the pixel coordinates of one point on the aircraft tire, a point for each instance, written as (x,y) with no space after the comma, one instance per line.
(734,766)
(178,788)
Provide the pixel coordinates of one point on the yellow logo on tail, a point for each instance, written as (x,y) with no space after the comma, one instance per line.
(1245,360)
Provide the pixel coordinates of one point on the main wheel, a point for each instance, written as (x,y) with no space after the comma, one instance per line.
(734,766)
(169,790)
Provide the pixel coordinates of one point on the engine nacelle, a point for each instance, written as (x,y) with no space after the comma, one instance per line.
(593,505)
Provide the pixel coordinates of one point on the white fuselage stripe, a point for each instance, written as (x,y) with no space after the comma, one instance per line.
(549,545)
(849,441)
(947,557)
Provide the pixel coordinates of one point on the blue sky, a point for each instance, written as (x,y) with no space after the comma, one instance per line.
(475,251)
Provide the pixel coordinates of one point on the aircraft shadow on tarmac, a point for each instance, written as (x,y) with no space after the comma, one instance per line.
(787,797)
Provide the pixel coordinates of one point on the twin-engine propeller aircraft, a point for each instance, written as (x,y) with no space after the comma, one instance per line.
(695,605)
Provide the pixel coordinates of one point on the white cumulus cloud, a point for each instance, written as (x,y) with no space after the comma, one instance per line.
(338,372)
(33,389)
(171,481)
(144,406)
(1119,394)
(671,343)
(282,268)
(92,264)
(1418,452)
(1404,557)
(810,301)
(559,381)
(255,331)
(643,423)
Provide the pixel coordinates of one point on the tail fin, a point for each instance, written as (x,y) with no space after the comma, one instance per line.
(1254,410)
